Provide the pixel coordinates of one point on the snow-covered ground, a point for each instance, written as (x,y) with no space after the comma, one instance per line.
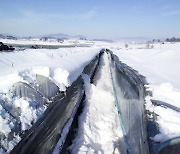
(99,130)
(61,66)
(161,66)
(48,42)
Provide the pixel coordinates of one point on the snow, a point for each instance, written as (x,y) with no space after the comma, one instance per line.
(99,130)
(7,81)
(59,78)
(62,66)
(168,120)
(44,71)
(5,128)
(29,112)
(29,42)
(54,42)
(166,92)
(161,66)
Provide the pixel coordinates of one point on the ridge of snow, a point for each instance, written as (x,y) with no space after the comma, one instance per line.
(99,130)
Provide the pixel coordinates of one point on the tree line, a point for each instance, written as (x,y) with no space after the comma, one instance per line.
(173,39)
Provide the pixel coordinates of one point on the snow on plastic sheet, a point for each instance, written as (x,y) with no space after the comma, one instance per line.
(160,65)
(62,65)
(30,112)
(99,130)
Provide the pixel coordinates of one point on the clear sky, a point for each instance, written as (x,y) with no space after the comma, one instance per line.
(92,18)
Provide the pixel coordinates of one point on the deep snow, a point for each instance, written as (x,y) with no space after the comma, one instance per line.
(99,130)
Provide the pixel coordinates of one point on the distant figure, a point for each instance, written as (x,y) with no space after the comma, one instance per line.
(12,65)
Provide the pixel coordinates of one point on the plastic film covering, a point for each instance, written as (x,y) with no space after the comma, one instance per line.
(24,90)
(41,91)
(46,87)
(130,94)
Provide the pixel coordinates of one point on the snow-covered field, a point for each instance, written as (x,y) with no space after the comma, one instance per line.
(48,42)
(161,66)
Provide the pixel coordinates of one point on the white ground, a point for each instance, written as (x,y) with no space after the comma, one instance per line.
(99,130)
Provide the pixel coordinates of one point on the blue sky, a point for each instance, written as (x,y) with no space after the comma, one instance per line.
(109,19)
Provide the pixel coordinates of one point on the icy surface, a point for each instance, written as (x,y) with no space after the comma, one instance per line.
(99,130)
(160,65)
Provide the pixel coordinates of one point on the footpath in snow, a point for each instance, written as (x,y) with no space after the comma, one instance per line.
(99,130)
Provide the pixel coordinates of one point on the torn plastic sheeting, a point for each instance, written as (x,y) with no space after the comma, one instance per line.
(41,91)
(25,90)
(46,86)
